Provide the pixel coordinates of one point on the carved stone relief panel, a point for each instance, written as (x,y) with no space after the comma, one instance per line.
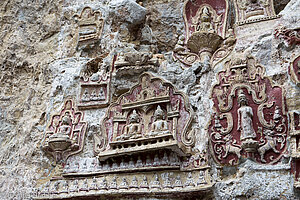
(95,84)
(159,183)
(250,11)
(294,70)
(250,118)
(295,145)
(207,35)
(90,25)
(65,133)
(151,116)
(132,63)
(291,37)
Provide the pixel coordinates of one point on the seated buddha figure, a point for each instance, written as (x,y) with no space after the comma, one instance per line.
(133,129)
(159,125)
(65,127)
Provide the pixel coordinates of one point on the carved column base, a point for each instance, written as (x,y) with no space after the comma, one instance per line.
(250,145)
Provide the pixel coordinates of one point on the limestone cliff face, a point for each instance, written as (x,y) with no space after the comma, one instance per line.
(42,60)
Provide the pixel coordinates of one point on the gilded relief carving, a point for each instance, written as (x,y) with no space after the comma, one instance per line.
(65,133)
(250,119)
(90,24)
(152,116)
(95,84)
(250,11)
(207,36)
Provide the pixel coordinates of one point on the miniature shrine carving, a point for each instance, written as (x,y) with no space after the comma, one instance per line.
(152,116)
(250,117)
(207,35)
(90,25)
(295,145)
(65,133)
(95,84)
(294,70)
(249,11)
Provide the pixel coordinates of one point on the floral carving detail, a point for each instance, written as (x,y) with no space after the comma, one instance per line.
(250,118)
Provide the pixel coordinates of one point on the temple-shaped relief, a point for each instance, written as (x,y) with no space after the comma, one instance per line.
(294,70)
(250,118)
(152,116)
(90,24)
(65,133)
(95,84)
(249,11)
(295,145)
(208,36)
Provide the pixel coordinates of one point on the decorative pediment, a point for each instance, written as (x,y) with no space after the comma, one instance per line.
(250,11)
(95,84)
(65,133)
(207,36)
(250,118)
(152,116)
(90,25)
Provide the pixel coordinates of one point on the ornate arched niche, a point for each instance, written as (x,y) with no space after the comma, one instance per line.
(152,116)
(250,118)
(65,133)
(208,33)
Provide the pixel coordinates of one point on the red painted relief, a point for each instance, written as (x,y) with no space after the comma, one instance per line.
(151,116)
(294,70)
(291,37)
(65,133)
(208,36)
(250,117)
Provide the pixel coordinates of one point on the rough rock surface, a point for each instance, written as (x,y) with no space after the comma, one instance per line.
(41,65)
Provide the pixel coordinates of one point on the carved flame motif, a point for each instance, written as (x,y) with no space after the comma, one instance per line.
(294,70)
(65,133)
(207,35)
(152,115)
(90,24)
(250,118)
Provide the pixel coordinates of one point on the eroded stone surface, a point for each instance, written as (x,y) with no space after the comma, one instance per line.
(41,64)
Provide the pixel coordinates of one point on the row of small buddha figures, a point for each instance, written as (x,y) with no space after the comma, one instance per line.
(94,96)
(171,160)
(64,186)
(133,130)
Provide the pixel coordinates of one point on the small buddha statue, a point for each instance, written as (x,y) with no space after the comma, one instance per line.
(101,95)
(65,127)
(160,125)
(134,183)
(133,129)
(205,21)
(94,96)
(86,96)
(144,183)
(178,182)
(124,184)
(155,183)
